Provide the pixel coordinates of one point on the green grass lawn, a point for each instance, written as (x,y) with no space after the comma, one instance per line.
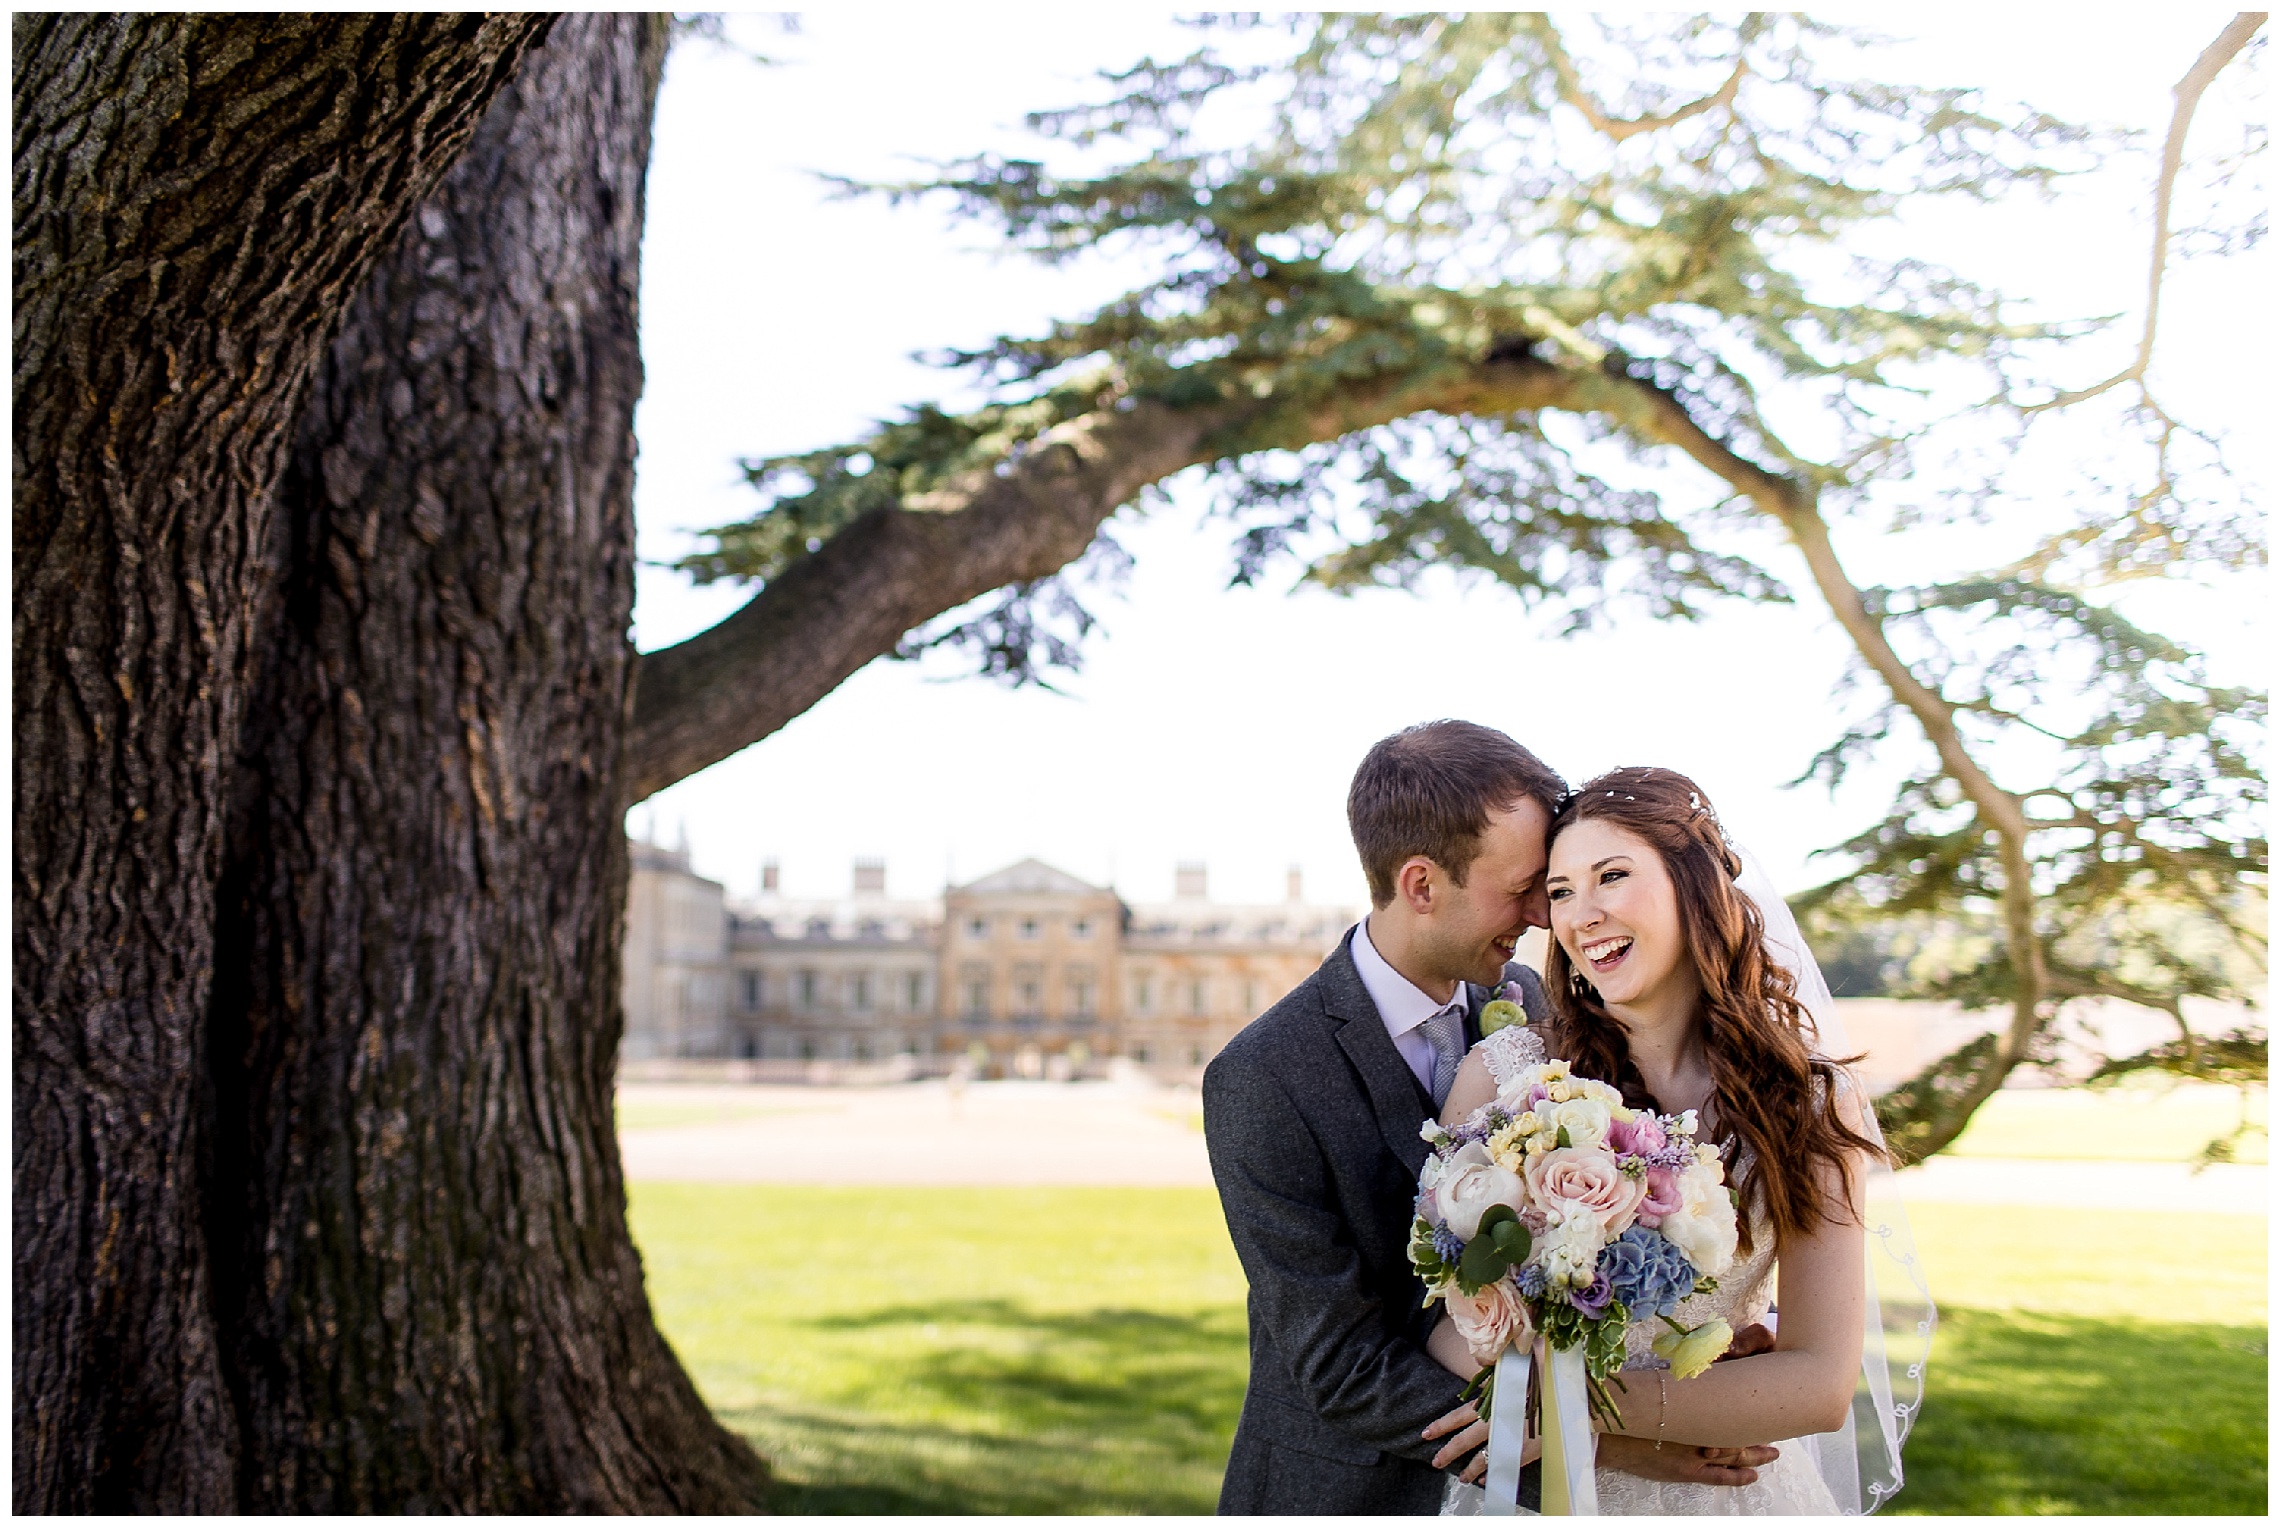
(1081,1350)
(2066,1379)
(2143,1120)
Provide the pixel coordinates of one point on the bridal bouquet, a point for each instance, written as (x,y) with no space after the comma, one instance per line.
(1557,1211)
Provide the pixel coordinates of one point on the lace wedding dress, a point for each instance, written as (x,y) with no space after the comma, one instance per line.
(1790,1486)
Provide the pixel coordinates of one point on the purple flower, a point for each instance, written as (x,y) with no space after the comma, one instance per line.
(1476,1131)
(1593,1301)
(1530,1281)
(1447,1245)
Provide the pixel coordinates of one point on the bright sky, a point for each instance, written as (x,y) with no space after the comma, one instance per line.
(1224,725)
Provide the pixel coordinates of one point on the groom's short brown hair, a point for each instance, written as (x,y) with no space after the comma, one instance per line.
(1429,790)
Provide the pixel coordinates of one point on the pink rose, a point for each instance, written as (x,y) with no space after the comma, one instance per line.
(1490,1321)
(1589,1183)
(1664,1197)
(1637,1136)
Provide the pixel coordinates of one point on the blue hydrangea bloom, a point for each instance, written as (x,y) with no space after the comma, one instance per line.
(1531,1282)
(1647,1273)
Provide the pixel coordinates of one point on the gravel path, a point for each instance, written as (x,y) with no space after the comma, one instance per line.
(1136,1134)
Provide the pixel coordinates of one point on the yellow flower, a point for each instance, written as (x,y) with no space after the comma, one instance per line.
(1689,1353)
(1509,1146)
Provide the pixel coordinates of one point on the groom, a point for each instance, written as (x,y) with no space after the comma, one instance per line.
(1312,1116)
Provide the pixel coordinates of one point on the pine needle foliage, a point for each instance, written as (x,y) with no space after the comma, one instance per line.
(1470,291)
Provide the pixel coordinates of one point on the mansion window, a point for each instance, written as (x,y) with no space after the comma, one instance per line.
(914,992)
(1199,997)
(1028,991)
(1029,928)
(1250,997)
(1081,994)
(1081,929)
(1143,998)
(807,980)
(977,993)
(862,992)
(977,928)
(752,991)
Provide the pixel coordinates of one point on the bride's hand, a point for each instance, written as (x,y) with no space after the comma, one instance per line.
(1470,1433)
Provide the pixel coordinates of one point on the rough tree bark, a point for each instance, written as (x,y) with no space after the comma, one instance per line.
(196,198)
(432,1298)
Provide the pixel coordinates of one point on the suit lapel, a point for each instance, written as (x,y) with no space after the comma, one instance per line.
(1399,1104)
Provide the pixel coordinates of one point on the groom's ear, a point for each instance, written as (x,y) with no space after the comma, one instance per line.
(1413,884)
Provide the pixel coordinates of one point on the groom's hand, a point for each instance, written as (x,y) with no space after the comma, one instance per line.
(1749,1342)
(1682,1462)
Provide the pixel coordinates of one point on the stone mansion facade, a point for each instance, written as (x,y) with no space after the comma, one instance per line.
(1027,972)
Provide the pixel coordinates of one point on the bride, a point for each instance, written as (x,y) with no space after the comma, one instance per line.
(1664,982)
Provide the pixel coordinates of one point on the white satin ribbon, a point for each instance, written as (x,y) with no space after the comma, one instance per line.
(1507,1432)
(1571,1489)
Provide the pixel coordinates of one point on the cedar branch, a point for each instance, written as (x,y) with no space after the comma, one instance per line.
(2188,94)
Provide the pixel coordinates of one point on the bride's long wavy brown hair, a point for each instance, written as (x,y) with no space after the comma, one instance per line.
(1771,1093)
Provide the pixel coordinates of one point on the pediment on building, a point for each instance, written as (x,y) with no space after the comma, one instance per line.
(1031,877)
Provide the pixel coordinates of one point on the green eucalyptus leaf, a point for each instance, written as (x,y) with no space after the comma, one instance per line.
(1483,1262)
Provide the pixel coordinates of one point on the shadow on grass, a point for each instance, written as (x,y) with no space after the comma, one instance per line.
(2032,1413)
(989,1406)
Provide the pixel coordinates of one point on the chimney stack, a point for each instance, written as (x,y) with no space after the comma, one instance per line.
(870,877)
(771,878)
(1188,882)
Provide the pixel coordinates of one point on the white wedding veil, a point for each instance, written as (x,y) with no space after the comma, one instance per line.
(1861,1460)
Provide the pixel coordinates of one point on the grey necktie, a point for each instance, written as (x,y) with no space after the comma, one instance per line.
(1446,1033)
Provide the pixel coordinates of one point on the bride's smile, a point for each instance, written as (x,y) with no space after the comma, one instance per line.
(1614,909)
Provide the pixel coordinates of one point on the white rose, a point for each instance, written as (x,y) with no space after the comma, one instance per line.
(1584,1119)
(1471,1182)
(1704,1227)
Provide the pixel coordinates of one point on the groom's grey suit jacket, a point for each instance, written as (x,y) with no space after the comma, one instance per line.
(1312,1119)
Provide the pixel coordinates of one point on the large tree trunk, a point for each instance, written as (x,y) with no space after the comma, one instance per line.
(431,1297)
(196,199)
